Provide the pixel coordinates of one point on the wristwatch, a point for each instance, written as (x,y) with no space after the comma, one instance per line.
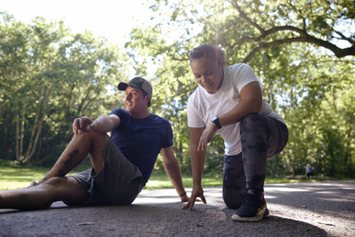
(216,121)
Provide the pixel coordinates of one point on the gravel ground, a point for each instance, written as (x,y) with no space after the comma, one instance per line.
(297,209)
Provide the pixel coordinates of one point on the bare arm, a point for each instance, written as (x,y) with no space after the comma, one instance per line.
(197,162)
(173,171)
(102,124)
(250,102)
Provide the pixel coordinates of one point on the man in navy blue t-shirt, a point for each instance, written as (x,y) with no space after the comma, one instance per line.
(121,164)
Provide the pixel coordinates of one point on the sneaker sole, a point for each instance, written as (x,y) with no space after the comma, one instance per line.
(263,214)
(266,213)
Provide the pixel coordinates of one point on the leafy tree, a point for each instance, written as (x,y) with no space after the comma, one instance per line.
(303,52)
(49,77)
(284,22)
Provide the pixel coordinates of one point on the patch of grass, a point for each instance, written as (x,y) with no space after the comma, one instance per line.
(15,177)
(12,177)
(162,181)
(284,180)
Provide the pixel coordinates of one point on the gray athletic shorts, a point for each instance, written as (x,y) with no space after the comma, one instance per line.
(118,183)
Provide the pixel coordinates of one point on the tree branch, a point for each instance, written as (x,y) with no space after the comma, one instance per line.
(300,14)
(242,14)
(265,45)
(344,37)
(303,37)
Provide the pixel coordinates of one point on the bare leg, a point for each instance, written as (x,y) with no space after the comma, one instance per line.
(55,189)
(76,151)
(54,186)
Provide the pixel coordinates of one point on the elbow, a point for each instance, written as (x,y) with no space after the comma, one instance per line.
(255,106)
(258,107)
(168,163)
(169,166)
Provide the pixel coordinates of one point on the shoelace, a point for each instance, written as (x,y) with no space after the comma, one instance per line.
(249,200)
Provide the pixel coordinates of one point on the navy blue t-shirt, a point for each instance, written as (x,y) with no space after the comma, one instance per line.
(140,140)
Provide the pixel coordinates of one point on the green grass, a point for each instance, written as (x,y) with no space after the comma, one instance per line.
(18,177)
(162,181)
(12,177)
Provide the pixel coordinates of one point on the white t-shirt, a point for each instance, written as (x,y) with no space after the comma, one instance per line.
(202,106)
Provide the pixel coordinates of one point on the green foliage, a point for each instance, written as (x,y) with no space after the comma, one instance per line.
(48,78)
(302,51)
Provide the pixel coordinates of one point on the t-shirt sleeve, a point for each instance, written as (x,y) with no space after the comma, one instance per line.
(193,118)
(242,76)
(167,140)
(118,111)
(122,114)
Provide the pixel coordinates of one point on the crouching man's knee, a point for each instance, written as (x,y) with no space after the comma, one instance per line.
(232,198)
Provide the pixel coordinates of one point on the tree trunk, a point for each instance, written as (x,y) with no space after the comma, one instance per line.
(37,127)
(19,136)
(351,167)
(7,141)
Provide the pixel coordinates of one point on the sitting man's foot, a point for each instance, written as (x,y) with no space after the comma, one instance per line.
(253,208)
(33,183)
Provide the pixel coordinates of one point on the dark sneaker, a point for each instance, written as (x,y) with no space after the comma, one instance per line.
(253,208)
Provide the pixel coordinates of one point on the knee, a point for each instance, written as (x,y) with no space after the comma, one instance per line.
(92,136)
(250,119)
(232,198)
(232,204)
(56,182)
(88,134)
(252,125)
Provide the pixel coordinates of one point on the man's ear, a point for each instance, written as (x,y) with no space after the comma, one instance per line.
(148,97)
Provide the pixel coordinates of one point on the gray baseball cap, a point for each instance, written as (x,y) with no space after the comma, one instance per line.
(137,83)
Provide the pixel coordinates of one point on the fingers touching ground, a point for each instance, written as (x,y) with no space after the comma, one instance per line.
(196,192)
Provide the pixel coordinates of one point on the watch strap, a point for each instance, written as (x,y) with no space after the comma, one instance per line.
(216,121)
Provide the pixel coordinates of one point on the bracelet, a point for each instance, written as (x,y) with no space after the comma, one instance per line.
(183,194)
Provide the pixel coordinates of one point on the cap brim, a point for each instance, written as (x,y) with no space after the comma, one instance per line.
(123,85)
